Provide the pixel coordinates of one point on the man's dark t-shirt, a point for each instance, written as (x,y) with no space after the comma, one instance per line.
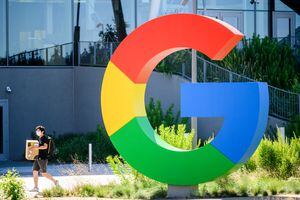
(43,153)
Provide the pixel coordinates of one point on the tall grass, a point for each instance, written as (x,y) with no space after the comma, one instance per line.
(278,158)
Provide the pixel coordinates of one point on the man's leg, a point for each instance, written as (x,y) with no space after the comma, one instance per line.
(43,165)
(35,178)
(35,173)
(48,176)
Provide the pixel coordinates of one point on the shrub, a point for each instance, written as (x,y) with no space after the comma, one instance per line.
(55,192)
(177,138)
(157,116)
(76,146)
(265,59)
(11,186)
(279,157)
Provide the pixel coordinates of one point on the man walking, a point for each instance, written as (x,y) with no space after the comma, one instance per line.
(41,161)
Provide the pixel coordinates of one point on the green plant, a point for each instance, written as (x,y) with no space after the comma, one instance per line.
(109,34)
(54,192)
(279,157)
(157,116)
(11,186)
(74,146)
(264,59)
(177,138)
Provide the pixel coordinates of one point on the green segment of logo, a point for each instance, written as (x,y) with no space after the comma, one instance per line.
(143,149)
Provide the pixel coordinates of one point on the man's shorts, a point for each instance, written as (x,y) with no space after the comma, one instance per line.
(40,165)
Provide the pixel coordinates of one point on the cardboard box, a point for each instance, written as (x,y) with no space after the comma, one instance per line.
(31,154)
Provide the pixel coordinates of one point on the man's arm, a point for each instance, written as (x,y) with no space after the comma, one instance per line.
(45,146)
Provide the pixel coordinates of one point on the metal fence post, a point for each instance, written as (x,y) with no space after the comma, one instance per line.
(78,54)
(46,62)
(183,69)
(111,49)
(204,70)
(94,54)
(90,157)
(230,76)
(282,132)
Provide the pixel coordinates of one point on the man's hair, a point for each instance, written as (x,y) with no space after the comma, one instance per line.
(41,128)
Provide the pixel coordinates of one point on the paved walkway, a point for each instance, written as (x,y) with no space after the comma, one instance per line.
(25,169)
(68,182)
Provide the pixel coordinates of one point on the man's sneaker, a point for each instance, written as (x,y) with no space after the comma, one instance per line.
(56,183)
(35,189)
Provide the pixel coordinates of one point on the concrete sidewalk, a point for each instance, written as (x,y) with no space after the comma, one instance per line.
(68,182)
(25,169)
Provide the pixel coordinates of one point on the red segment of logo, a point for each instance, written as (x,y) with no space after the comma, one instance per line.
(144,48)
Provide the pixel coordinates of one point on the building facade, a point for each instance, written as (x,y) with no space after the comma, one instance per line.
(42,83)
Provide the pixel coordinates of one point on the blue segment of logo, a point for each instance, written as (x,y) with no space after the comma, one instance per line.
(243,106)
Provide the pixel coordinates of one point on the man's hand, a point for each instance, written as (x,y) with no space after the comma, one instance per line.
(33,148)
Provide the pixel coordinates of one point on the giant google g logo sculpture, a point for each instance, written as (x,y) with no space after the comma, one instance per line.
(243,106)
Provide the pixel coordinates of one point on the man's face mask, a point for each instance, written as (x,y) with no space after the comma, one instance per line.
(38,133)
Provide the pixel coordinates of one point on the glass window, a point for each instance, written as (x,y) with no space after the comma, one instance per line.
(2,33)
(175,6)
(231,4)
(143,11)
(98,15)
(129,14)
(248,24)
(283,27)
(147,9)
(262,23)
(37,24)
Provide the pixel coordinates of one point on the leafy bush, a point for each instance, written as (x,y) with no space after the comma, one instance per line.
(278,158)
(265,59)
(56,191)
(157,116)
(11,186)
(177,138)
(76,146)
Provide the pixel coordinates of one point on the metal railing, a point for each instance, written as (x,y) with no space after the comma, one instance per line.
(95,53)
(59,55)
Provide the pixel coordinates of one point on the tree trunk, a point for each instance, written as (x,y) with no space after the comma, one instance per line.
(119,19)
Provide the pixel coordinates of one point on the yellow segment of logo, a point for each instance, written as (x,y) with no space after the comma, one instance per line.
(121,99)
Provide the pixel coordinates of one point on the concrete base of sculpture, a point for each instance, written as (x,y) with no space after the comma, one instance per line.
(181,191)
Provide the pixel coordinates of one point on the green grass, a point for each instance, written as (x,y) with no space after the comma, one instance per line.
(239,183)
